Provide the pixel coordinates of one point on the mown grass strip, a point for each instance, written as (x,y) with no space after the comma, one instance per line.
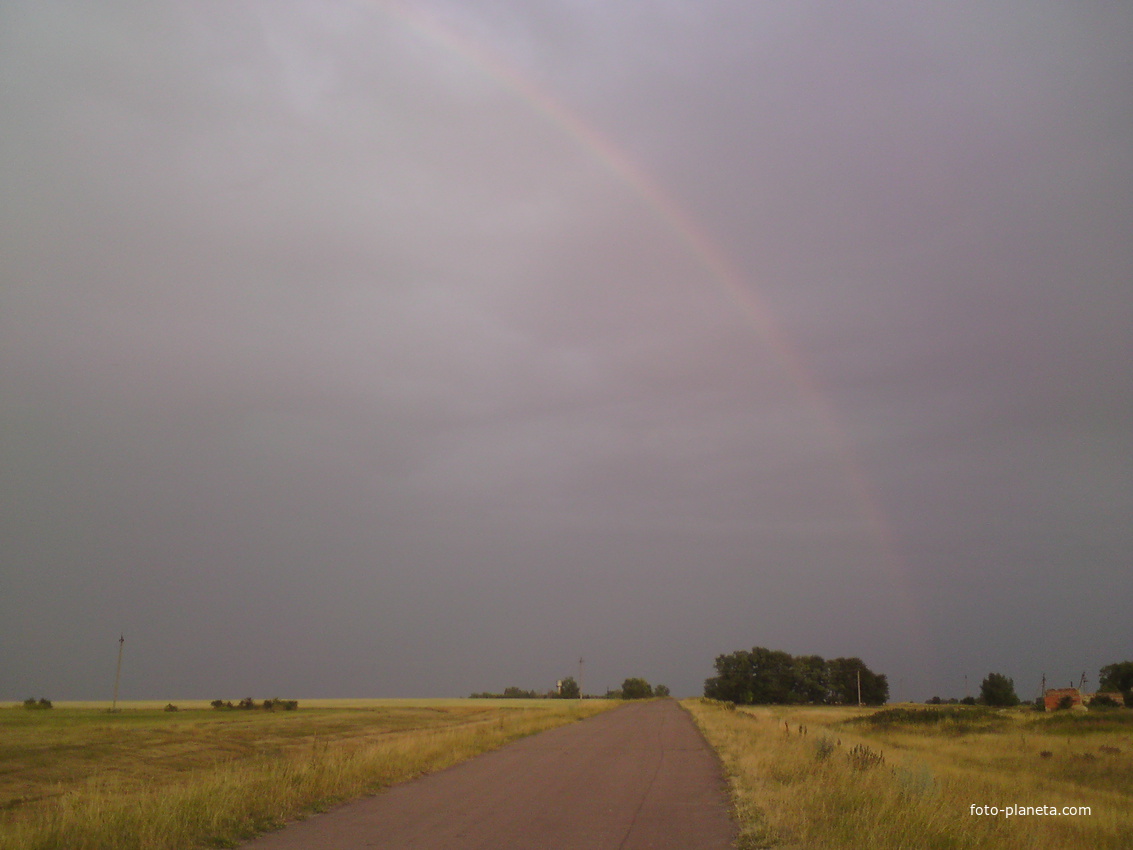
(225,803)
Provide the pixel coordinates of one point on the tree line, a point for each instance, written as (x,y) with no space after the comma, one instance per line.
(772,677)
(998,690)
(632,688)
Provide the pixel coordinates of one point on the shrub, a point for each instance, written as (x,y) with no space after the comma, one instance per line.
(220,704)
(1066,703)
(41,703)
(1102,702)
(823,748)
(170,707)
(863,758)
(661,691)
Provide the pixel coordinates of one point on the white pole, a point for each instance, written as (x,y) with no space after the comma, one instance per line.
(118,675)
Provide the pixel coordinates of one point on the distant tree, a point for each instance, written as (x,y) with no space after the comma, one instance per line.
(569,689)
(844,676)
(996,689)
(968,701)
(935,701)
(1118,677)
(775,675)
(661,691)
(41,703)
(764,676)
(636,689)
(734,678)
(758,677)
(809,680)
(512,692)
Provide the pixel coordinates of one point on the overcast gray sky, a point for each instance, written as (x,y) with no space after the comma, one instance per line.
(360,349)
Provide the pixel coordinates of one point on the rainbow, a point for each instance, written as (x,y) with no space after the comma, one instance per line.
(700,245)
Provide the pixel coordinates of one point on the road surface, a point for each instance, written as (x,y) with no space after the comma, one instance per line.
(640,776)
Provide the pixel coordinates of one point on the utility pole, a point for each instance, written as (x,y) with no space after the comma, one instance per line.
(118,675)
(859,687)
(580,680)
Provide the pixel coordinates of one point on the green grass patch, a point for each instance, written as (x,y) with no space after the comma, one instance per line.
(954,720)
(1083,723)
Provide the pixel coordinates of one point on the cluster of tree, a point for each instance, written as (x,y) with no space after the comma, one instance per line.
(568,689)
(510,693)
(764,676)
(953,701)
(997,690)
(42,702)
(636,688)
(1118,678)
(247,704)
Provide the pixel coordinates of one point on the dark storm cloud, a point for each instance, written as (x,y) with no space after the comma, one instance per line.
(332,365)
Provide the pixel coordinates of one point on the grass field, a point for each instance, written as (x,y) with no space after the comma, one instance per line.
(908,778)
(77,777)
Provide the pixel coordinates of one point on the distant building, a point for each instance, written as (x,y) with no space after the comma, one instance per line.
(1052,699)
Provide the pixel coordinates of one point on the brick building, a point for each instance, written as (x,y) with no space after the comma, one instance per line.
(1053,697)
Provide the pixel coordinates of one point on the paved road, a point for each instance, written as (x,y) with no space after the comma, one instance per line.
(640,776)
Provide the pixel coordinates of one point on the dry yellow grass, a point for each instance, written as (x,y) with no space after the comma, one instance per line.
(145,779)
(807,790)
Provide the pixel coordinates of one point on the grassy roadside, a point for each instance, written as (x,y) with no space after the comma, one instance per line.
(859,778)
(144,779)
